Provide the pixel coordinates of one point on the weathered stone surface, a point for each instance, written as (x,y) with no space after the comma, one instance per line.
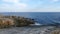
(8,21)
(28,30)
(5,22)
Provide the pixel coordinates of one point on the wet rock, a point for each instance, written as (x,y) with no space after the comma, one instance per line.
(21,21)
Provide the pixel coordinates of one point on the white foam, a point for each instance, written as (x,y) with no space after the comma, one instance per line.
(37,24)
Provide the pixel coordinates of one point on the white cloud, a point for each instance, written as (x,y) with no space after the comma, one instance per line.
(13,1)
(54,0)
(14,6)
(17,6)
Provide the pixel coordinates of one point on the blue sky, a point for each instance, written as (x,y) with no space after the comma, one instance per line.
(29,5)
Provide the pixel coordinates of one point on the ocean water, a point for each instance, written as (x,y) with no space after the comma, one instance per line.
(43,18)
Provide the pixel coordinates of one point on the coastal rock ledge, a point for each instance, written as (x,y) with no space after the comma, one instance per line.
(15,21)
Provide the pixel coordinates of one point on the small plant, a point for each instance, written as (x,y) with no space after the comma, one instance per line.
(55,32)
(4,23)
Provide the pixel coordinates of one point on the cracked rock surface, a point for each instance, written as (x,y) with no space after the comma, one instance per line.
(28,30)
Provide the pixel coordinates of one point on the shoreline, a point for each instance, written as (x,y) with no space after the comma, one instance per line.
(28,30)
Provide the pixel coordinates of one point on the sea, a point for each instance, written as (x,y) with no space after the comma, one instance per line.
(42,18)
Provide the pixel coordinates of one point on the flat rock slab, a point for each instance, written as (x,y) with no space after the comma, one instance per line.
(27,30)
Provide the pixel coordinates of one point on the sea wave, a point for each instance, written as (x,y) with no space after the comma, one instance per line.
(37,24)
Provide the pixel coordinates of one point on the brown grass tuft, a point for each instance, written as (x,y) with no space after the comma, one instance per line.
(55,32)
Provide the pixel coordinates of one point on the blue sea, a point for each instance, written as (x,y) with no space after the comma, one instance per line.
(41,18)
(44,18)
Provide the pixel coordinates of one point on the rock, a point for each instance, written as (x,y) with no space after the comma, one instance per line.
(5,22)
(17,21)
(23,22)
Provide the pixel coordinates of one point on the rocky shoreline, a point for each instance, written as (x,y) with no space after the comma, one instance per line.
(31,30)
(15,21)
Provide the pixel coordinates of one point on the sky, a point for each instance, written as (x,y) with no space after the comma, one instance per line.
(29,5)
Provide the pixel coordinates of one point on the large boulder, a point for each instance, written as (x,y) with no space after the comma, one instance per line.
(5,22)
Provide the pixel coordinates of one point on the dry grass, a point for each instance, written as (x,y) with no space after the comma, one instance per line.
(5,23)
(55,32)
